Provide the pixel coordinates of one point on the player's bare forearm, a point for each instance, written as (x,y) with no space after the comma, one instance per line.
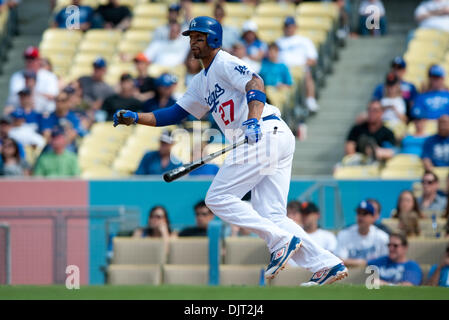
(255,108)
(147,119)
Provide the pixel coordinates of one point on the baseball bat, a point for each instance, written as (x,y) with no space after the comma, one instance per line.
(181,171)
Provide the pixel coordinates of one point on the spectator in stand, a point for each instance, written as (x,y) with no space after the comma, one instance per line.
(23,133)
(46,88)
(431,200)
(362,241)
(114,16)
(436,148)
(239,50)
(13,164)
(5,128)
(299,51)
(439,273)
(255,48)
(377,213)
(193,66)
(94,89)
(408,214)
(294,211)
(26,106)
(203,215)
(174,16)
(158,225)
(64,18)
(160,161)
(230,34)
(143,81)
(78,106)
(433,14)
(371,138)
(408,89)
(310,215)
(125,98)
(165,87)
(372,19)
(58,161)
(169,52)
(273,72)
(65,120)
(395,268)
(392,102)
(414,143)
(434,101)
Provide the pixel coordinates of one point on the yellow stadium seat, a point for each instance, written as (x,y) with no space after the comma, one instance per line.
(65,47)
(356,172)
(399,128)
(99,48)
(202,9)
(401,173)
(87,58)
(275,9)
(269,35)
(151,10)
(214,147)
(314,23)
(404,160)
(272,23)
(138,23)
(314,9)
(423,34)
(132,274)
(235,21)
(420,45)
(318,37)
(103,35)
(79,71)
(238,9)
(138,36)
(297,73)
(121,68)
(97,172)
(66,35)
(131,47)
(430,127)
(441,172)
(60,59)
(125,167)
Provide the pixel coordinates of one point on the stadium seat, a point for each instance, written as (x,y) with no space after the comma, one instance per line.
(269,35)
(189,250)
(314,23)
(139,36)
(404,160)
(356,276)
(248,275)
(186,274)
(402,173)
(424,224)
(318,37)
(238,9)
(87,58)
(356,172)
(131,48)
(149,24)
(271,23)
(129,274)
(441,172)
(97,172)
(314,9)
(245,250)
(425,268)
(291,276)
(98,47)
(426,251)
(103,35)
(202,9)
(430,127)
(275,9)
(128,250)
(126,166)
(154,9)
(64,35)
(214,147)
(424,34)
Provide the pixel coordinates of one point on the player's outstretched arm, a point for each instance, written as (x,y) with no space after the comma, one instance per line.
(255,97)
(158,118)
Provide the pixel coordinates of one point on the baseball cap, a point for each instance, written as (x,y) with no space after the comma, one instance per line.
(398,62)
(125,76)
(69,89)
(249,26)
(166,137)
(436,71)
(31,52)
(165,80)
(308,207)
(99,63)
(57,131)
(140,57)
(174,7)
(289,21)
(365,206)
(29,74)
(6,120)
(391,79)
(24,92)
(18,113)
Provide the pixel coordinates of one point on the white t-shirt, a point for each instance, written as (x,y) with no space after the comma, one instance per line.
(221,90)
(364,5)
(390,115)
(46,83)
(296,50)
(325,239)
(434,22)
(352,245)
(168,53)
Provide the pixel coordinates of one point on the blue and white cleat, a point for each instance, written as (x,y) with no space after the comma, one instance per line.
(327,276)
(280,257)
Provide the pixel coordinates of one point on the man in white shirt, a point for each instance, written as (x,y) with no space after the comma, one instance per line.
(296,50)
(362,241)
(173,16)
(433,14)
(46,88)
(310,215)
(171,52)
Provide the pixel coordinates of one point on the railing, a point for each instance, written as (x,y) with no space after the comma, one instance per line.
(5,254)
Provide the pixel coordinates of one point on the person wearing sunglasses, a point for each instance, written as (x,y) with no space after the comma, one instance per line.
(203,215)
(431,200)
(439,273)
(395,268)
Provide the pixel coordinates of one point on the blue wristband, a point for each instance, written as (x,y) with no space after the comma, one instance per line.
(256,95)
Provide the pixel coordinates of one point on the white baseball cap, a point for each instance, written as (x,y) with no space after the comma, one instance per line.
(249,25)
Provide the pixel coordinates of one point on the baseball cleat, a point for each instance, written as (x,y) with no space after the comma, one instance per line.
(280,257)
(327,276)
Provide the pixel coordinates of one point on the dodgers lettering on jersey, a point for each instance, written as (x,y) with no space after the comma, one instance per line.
(431,105)
(221,90)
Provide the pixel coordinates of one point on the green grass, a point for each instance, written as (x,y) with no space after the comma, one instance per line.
(168,292)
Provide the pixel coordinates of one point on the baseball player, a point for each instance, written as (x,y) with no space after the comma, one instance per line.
(234,94)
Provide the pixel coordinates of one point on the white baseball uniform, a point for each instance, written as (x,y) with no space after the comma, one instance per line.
(264,167)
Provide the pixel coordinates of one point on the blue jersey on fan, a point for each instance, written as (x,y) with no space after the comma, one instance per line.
(393,272)
(436,148)
(443,281)
(431,105)
(408,91)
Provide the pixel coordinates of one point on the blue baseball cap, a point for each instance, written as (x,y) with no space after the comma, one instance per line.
(398,62)
(289,21)
(166,80)
(365,206)
(99,63)
(174,7)
(18,113)
(436,71)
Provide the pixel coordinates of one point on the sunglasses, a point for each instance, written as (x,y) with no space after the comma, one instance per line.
(428,181)
(158,216)
(394,245)
(364,213)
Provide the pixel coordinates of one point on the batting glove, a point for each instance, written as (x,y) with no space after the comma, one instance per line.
(252,131)
(125,117)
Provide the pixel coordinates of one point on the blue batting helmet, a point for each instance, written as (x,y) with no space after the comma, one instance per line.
(207,25)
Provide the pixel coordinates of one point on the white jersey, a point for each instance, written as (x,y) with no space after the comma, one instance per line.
(352,245)
(436,21)
(220,89)
(325,239)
